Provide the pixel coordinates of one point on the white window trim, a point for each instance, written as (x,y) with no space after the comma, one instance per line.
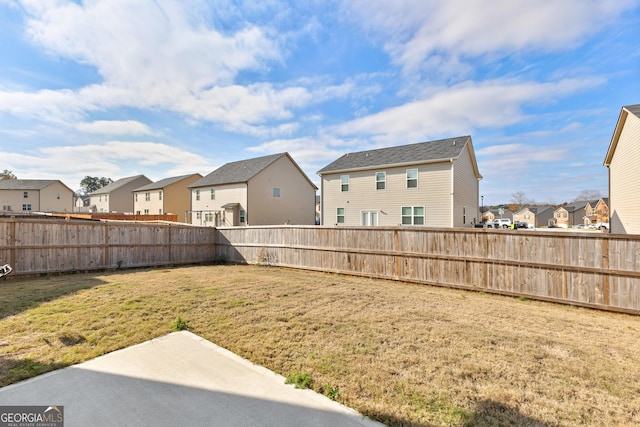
(383,181)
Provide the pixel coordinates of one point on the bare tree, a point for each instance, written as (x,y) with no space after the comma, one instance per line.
(518,201)
(7,174)
(588,195)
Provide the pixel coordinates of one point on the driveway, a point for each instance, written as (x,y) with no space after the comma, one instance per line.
(179,379)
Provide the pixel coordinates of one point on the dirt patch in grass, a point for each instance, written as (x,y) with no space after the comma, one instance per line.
(400,353)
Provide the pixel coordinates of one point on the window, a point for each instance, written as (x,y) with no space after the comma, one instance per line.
(26,207)
(369,218)
(213,194)
(6,208)
(159,195)
(136,197)
(340,216)
(464,214)
(147,197)
(160,211)
(413,215)
(137,212)
(344,183)
(58,196)
(381,180)
(197,194)
(146,211)
(276,192)
(25,195)
(198,215)
(243,216)
(412,178)
(208,217)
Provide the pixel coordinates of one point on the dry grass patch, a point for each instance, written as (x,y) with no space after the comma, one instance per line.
(400,353)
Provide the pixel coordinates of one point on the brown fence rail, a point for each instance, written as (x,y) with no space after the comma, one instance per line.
(588,269)
(45,246)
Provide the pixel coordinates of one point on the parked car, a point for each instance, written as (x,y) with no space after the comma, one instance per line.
(579,226)
(499,223)
(520,224)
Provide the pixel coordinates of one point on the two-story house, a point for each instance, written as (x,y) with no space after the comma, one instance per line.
(571,214)
(167,196)
(269,190)
(117,196)
(622,159)
(540,216)
(38,195)
(597,211)
(432,184)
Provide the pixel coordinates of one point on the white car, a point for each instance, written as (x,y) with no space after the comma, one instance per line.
(500,223)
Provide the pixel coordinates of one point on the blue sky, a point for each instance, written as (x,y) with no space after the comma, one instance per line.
(117,88)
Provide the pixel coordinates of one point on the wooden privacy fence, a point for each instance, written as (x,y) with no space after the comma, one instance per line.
(46,246)
(588,269)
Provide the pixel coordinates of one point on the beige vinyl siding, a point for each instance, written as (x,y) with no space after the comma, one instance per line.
(154,205)
(177,197)
(229,193)
(49,201)
(297,201)
(624,176)
(433,192)
(465,191)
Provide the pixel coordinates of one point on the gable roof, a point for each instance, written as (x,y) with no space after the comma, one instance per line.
(243,170)
(27,184)
(165,182)
(117,184)
(422,152)
(622,118)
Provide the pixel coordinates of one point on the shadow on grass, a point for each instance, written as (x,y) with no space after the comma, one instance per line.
(486,413)
(19,294)
(492,413)
(16,370)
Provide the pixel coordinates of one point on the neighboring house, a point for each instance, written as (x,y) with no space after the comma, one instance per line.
(167,196)
(430,183)
(541,216)
(267,190)
(117,196)
(597,211)
(623,158)
(82,203)
(37,195)
(490,215)
(571,214)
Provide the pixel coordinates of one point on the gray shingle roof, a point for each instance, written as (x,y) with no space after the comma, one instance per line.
(116,184)
(163,183)
(635,109)
(25,184)
(443,149)
(234,172)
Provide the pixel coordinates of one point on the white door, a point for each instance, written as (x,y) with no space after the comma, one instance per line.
(369,218)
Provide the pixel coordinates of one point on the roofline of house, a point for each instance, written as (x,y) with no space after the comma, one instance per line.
(622,118)
(388,165)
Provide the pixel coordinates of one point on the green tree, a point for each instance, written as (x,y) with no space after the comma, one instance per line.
(92,183)
(7,174)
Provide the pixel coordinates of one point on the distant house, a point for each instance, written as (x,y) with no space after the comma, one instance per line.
(82,203)
(623,160)
(541,216)
(492,214)
(167,196)
(37,195)
(571,214)
(117,196)
(269,190)
(597,211)
(430,183)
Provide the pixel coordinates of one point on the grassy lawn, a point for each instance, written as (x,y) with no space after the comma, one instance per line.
(400,353)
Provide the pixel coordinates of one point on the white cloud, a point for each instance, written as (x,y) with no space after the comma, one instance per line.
(113,159)
(418,32)
(114,127)
(460,109)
